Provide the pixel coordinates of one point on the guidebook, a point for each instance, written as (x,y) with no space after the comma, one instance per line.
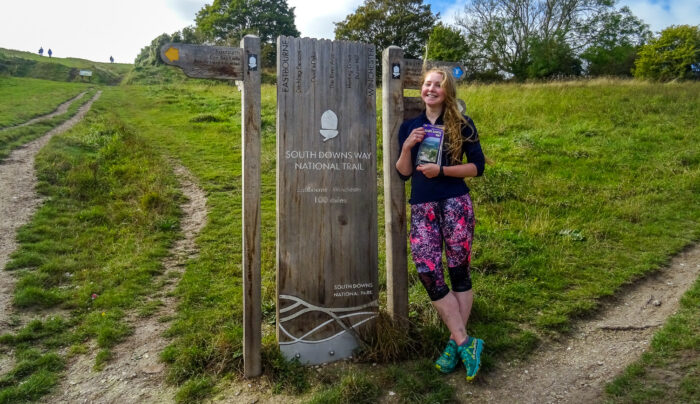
(430,149)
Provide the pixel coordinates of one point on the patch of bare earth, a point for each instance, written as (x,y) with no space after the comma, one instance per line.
(61,109)
(135,375)
(18,202)
(575,369)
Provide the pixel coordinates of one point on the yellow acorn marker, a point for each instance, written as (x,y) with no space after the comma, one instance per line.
(172,54)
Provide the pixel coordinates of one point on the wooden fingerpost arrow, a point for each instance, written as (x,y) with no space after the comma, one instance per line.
(205,62)
(242,64)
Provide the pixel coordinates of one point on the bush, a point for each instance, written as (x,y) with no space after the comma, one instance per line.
(675,55)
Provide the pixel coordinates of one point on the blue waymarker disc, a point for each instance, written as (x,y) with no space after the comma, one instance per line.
(457,72)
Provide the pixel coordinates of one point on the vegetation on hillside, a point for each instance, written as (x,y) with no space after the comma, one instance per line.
(24,98)
(674,55)
(25,64)
(12,138)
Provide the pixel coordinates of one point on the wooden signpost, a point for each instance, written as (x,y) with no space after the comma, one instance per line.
(243,64)
(399,74)
(326,197)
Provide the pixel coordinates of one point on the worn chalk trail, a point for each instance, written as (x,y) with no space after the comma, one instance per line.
(61,109)
(576,369)
(19,200)
(135,375)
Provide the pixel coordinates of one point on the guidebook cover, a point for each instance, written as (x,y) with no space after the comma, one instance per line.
(430,150)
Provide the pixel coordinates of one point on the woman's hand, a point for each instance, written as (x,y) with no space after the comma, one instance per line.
(414,138)
(404,165)
(429,170)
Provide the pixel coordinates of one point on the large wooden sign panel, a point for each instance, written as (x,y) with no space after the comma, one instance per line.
(326,196)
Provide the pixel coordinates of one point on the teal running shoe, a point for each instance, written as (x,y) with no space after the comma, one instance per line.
(447,362)
(471,356)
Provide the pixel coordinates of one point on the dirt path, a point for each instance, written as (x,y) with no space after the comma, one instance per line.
(60,110)
(576,369)
(19,200)
(135,375)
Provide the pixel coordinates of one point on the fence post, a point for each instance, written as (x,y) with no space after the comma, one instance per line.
(250,160)
(394,190)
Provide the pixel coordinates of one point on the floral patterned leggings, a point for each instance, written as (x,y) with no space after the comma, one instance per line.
(450,221)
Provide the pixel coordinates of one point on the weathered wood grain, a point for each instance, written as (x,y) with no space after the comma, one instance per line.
(394,190)
(203,61)
(326,195)
(250,132)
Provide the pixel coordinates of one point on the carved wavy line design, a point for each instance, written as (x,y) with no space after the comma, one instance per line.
(331,312)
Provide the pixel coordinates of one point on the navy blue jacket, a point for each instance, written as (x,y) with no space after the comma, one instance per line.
(424,189)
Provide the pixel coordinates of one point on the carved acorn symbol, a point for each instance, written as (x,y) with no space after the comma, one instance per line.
(329,125)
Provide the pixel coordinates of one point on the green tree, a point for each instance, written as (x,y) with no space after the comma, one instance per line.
(617,36)
(503,32)
(150,54)
(448,44)
(551,57)
(225,22)
(404,23)
(675,54)
(188,35)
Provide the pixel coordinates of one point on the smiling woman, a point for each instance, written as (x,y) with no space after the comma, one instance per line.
(442,212)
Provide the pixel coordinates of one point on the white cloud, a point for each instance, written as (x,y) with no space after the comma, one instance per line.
(662,14)
(450,14)
(315,18)
(187,9)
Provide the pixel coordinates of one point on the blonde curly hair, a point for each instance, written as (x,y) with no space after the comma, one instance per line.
(453,119)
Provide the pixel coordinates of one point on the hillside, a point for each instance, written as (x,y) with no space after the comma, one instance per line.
(26,64)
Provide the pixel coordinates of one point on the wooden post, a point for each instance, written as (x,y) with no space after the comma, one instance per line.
(250,159)
(394,191)
(243,64)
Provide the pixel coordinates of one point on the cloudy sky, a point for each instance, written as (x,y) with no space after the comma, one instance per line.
(96,29)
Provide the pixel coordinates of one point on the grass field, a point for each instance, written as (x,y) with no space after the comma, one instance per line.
(11,138)
(26,64)
(24,98)
(593,185)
